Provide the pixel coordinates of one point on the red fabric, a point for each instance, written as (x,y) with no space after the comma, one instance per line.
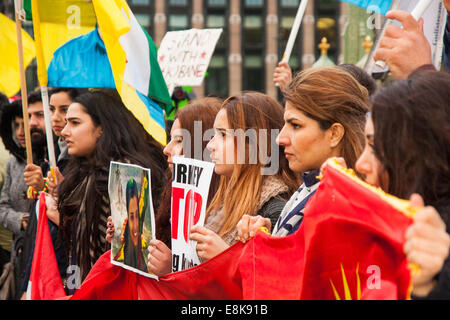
(345,224)
(45,280)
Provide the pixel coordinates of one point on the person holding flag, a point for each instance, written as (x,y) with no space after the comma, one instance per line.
(60,99)
(406,49)
(415,111)
(99,45)
(15,208)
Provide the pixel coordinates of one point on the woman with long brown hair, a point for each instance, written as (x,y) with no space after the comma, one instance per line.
(99,129)
(255,177)
(324,117)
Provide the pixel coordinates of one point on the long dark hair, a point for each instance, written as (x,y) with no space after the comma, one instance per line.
(412,137)
(123,139)
(203,110)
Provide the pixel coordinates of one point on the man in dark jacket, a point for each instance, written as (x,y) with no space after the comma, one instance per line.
(15,208)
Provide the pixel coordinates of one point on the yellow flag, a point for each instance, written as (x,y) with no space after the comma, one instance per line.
(9,66)
(55,22)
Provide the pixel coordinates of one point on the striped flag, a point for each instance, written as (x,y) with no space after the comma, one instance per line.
(134,64)
(121,55)
(9,67)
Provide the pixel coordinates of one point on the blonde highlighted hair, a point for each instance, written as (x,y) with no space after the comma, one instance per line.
(240,193)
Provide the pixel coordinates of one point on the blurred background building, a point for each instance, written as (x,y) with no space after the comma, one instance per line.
(255,33)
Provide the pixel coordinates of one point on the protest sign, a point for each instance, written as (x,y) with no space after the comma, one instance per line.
(191,179)
(184,55)
(132,214)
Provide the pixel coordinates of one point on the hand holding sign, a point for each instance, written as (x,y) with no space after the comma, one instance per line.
(190,187)
(282,75)
(209,243)
(404,49)
(159,258)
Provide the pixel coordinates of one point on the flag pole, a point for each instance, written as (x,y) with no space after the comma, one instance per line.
(23,83)
(294,31)
(42,77)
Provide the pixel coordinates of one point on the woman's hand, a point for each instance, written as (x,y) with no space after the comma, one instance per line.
(282,75)
(209,243)
(53,184)
(248,225)
(159,258)
(109,230)
(52,209)
(33,177)
(427,245)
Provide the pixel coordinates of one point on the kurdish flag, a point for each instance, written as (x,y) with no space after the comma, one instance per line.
(379,6)
(9,67)
(117,54)
(134,64)
(349,246)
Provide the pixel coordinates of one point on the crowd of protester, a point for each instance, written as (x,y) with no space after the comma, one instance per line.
(396,137)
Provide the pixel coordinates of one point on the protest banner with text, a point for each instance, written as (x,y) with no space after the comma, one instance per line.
(191,179)
(184,55)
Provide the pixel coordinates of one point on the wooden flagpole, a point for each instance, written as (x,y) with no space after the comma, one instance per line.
(23,83)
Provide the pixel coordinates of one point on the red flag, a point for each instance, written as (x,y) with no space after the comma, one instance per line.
(349,246)
(45,279)
(354,236)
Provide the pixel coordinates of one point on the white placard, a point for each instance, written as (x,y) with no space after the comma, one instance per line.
(191,179)
(184,56)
